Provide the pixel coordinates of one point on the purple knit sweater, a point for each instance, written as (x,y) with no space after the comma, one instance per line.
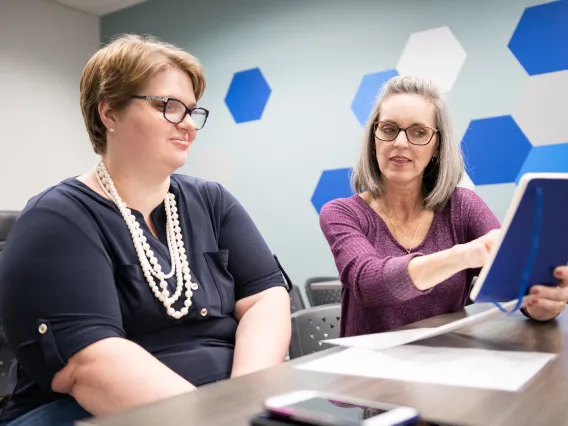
(377,293)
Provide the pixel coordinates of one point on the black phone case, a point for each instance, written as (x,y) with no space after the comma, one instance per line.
(264,419)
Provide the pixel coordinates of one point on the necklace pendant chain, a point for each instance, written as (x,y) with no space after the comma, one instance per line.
(151,268)
(409,249)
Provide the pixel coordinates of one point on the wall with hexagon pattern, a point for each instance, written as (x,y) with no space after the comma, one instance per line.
(291,84)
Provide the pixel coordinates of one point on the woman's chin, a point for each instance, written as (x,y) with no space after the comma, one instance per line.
(402,178)
(174,162)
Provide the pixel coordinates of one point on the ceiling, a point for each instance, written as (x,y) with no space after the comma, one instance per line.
(98,7)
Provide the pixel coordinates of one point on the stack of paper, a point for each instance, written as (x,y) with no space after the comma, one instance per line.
(478,368)
(388,356)
(391,339)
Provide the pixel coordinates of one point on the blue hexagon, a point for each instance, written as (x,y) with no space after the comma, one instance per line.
(367,93)
(247,95)
(494,150)
(332,184)
(548,158)
(540,41)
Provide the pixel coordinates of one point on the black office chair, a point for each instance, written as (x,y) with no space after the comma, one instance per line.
(323,290)
(7,219)
(296,300)
(312,325)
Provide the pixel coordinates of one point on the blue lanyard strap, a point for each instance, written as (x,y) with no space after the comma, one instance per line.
(537,225)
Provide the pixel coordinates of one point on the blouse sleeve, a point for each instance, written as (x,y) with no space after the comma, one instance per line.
(251,262)
(57,291)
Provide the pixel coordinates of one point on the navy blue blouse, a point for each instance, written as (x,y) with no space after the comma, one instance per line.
(70,276)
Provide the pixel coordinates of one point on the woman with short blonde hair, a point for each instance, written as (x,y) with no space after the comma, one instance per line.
(409,242)
(131,283)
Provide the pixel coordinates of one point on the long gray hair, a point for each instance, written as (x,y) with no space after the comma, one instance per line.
(440,177)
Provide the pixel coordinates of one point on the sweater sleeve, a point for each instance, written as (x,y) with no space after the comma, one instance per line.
(375,281)
(477,220)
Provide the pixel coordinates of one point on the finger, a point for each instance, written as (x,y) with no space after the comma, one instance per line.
(540,314)
(553,307)
(525,300)
(545,292)
(561,273)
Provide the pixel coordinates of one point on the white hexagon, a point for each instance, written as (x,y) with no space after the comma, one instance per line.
(541,108)
(497,197)
(434,54)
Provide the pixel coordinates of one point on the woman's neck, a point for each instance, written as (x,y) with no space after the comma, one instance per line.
(140,191)
(404,201)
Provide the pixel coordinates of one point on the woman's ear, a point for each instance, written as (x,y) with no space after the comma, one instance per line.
(107,115)
(437,150)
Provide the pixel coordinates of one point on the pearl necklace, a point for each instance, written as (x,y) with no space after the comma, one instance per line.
(148,262)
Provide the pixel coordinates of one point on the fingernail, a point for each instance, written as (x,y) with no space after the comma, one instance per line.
(533,301)
(558,273)
(534,291)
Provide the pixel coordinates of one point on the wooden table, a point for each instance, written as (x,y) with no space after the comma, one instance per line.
(543,401)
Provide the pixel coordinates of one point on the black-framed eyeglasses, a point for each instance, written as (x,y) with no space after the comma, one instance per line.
(175,110)
(416,135)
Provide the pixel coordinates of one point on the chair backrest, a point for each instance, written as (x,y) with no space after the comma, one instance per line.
(323,290)
(7,219)
(312,325)
(296,300)
(6,362)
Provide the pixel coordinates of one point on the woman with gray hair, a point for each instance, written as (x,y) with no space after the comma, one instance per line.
(409,243)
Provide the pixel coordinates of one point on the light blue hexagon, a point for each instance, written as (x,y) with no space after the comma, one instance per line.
(332,184)
(548,158)
(247,95)
(367,93)
(494,149)
(540,41)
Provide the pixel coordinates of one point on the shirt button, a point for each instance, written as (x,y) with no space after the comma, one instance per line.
(42,328)
(204,312)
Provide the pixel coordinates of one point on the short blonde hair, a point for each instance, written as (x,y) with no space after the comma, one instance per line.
(119,70)
(441,177)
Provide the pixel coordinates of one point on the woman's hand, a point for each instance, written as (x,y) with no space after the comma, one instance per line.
(474,254)
(544,302)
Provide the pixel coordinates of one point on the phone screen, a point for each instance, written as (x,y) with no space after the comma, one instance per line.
(340,412)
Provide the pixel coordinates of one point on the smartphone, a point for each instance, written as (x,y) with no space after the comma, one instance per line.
(321,409)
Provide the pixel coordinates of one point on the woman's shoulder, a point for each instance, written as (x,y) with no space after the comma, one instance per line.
(352,210)
(464,194)
(194,186)
(63,198)
(348,205)
(56,213)
(464,199)
(203,194)
(467,207)
(193,183)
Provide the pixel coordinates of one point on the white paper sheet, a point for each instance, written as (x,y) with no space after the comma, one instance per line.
(477,368)
(385,340)
(392,339)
